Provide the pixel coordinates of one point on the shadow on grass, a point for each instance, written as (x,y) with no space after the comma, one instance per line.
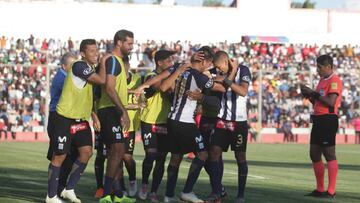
(31,185)
(292,165)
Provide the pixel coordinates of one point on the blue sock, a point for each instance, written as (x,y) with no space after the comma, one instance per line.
(53,180)
(76,172)
(117,188)
(242,175)
(108,184)
(194,172)
(147,166)
(173,173)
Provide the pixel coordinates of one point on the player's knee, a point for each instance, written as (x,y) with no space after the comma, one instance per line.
(128,158)
(240,156)
(175,160)
(315,157)
(203,155)
(58,160)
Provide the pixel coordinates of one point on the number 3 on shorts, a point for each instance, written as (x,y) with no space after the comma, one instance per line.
(239,140)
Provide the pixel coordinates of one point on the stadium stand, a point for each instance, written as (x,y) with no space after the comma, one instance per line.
(24,61)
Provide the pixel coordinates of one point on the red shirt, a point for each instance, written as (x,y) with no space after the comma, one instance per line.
(326,86)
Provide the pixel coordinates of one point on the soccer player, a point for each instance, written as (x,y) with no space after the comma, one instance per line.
(153,127)
(113,116)
(231,127)
(71,117)
(55,92)
(133,109)
(326,99)
(184,135)
(208,118)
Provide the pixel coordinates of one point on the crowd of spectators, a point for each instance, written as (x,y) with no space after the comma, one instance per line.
(23,64)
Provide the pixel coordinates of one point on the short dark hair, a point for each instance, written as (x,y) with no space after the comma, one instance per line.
(121,35)
(207,51)
(66,56)
(220,55)
(325,60)
(84,43)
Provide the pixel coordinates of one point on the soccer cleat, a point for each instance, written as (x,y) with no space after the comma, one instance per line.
(132,188)
(316,193)
(124,199)
(143,192)
(70,195)
(171,199)
(54,199)
(190,197)
(106,199)
(239,200)
(213,198)
(328,195)
(223,192)
(153,197)
(99,193)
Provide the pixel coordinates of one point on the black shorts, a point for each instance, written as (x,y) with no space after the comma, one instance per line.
(69,132)
(100,146)
(324,129)
(129,142)
(230,133)
(111,130)
(155,136)
(184,138)
(207,126)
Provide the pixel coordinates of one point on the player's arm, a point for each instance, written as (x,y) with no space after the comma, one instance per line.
(241,88)
(112,70)
(154,81)
(329,99)
(170,81)
(99,78)
(209,100)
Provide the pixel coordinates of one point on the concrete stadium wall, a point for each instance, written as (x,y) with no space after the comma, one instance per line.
(252,17)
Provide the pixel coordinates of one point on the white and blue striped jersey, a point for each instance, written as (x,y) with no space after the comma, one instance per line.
(183,109)
(233,106)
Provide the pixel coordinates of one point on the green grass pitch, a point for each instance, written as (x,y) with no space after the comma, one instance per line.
(278,173)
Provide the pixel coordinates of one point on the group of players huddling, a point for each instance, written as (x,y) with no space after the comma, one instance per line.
(108,92)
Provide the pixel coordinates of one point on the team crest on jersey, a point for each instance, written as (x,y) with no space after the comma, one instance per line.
(209,83)
(334,86)
(246,78)
(322,92)
(88,71)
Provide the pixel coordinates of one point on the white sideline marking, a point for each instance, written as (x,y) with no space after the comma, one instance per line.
(226,172)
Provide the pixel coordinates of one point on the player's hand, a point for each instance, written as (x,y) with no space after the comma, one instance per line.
(125,121)
(233,64)
(195,95)
(96,122)
(184,67)
(219,79)
(306,91)
(103,60)
(140,90)
(199,56)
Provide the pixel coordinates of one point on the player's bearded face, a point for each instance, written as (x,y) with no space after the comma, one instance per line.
(127,46)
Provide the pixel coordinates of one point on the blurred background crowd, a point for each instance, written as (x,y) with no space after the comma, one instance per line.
(277,68)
